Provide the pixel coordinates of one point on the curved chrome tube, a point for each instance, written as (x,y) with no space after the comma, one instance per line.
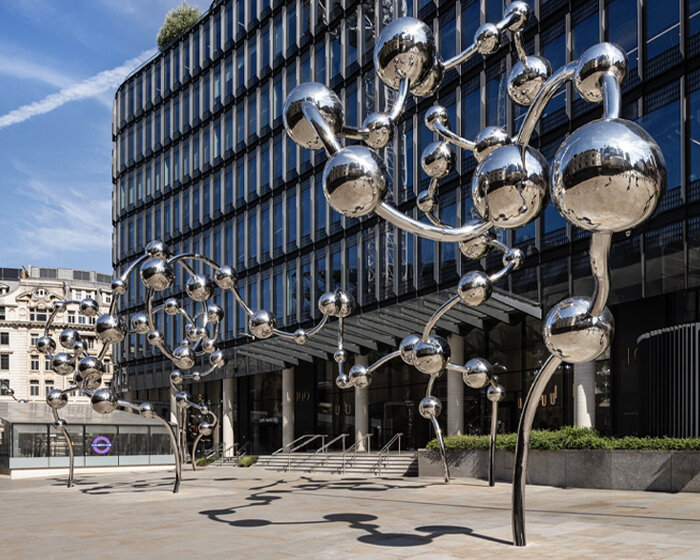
(453,137)
(444,308)
(324,132)
(383,360)
(69,444)
(400,100)
(492,441)
(443,452)
(194,450)
(176,452)
(600,249)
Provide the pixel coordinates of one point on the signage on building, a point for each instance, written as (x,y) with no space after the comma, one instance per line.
(269,420)
(101,445)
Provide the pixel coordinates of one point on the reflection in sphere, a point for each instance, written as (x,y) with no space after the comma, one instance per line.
(438,159)
(406,347)
(474,288)
(68,338)
(157,274)
(209,345)
(487,38)
(154,337)
(205,428)
(181,399)
(360,377)
(90,366)
(45,344)
(225,278)
(146,410)
(379,130)
(406,48)
(217,359)
(59,423)
(430,407)
(599,59)
(571,334)
(515,256)
(478,373)
(329,303)
(139,323)
(510,190)
(171,306)
(199,287)
(431,356)
(176,377)
(184,357)
(89,307)
(355,181)
(118,287)
(608,176)
(496,393)
(478,247)
(343,381)
(524,83)
(298,126)
(62,364)
(214,313)
(157,249)
(300,336)
(520,12)
(436,114)
(110,329)
(262,324)
(56,399)
(426,202)
(104,401)
(346,303)
(489,139)
(340,356)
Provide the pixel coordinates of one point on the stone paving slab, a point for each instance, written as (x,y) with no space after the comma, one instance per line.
(225,512)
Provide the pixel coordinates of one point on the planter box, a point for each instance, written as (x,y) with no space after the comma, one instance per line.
(662,471)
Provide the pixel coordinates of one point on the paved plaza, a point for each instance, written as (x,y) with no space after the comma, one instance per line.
(226,512)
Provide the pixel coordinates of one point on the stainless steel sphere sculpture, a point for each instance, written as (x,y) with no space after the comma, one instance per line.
(10,392)
(606,177)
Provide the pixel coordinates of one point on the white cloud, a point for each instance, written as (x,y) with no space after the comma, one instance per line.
(88,88)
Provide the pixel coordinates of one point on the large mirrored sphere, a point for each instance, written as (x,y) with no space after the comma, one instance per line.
(474,288)
(437,159)
(157,249)
(518,12)
(62,364)
(298,126)
(262,324)
(599,59)
(214,313)
(430,407)
(509,187)
(205,428)
(104,401)
(609,175)
(346,303)
(226,278)
(139,323)
(355,181)
(157,274)
(89,366)
(56,399)
(110,329)
(406,48)
(477,374)
(68,338)
(360,376)
(571,334)
(525,82)
(329,303)
(199,287)
(89,307)
(45,344)
(184,357)
(431,356)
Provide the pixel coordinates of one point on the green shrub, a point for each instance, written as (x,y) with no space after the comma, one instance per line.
(567,438)
(204,461)
(247,460)
(177,21)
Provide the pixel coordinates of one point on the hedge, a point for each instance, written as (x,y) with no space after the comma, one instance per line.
(247,460)
(568,438)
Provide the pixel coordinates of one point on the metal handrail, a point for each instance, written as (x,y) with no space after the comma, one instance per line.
(353,448)
(281,449)
(324,451)
(384,451)
(304,444)
(242,450)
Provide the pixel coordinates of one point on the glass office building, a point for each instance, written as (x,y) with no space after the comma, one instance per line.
(201,160)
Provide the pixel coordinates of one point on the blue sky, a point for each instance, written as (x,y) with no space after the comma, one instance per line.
(59,61)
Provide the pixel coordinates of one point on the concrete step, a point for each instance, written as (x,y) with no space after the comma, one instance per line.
(393,464)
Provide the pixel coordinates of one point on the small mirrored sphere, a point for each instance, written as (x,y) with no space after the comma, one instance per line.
(56,399)
(487,38)
(59,306)
(62,364)
(68,338)
(474,288)
(9,391)
(196,376)
(209,345)
(80,347)
(110,329)
(60,424)
(478,373)
(438,159)
(146,410)
(573,335)
(139,323)
(406,347)
(205,428)
(355,181)
(496,393)
(262,324)
(90,366)
(176,377)
(343,381)
(295,122)
(184,357)
(515,256)
(360,376)
(118,287)
(157,274)
(509,187)
(436,114)
(426,202)
(214,313)
(346,303)
(430,407)
(478,247)
(329,303)
(300,336)
(597,60)
(217,359)
(379,130)
(202,332)
(519,12)
(199,287)
(89,307)
(608,176)
(45,344)
(525,82)
(489,139)
(226,278)
(431,356)
(340,356)
(191,333)
(154,337)
(406,48)
(171,306)
(157,249)
(92,383)
(104,401)
(181,399)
